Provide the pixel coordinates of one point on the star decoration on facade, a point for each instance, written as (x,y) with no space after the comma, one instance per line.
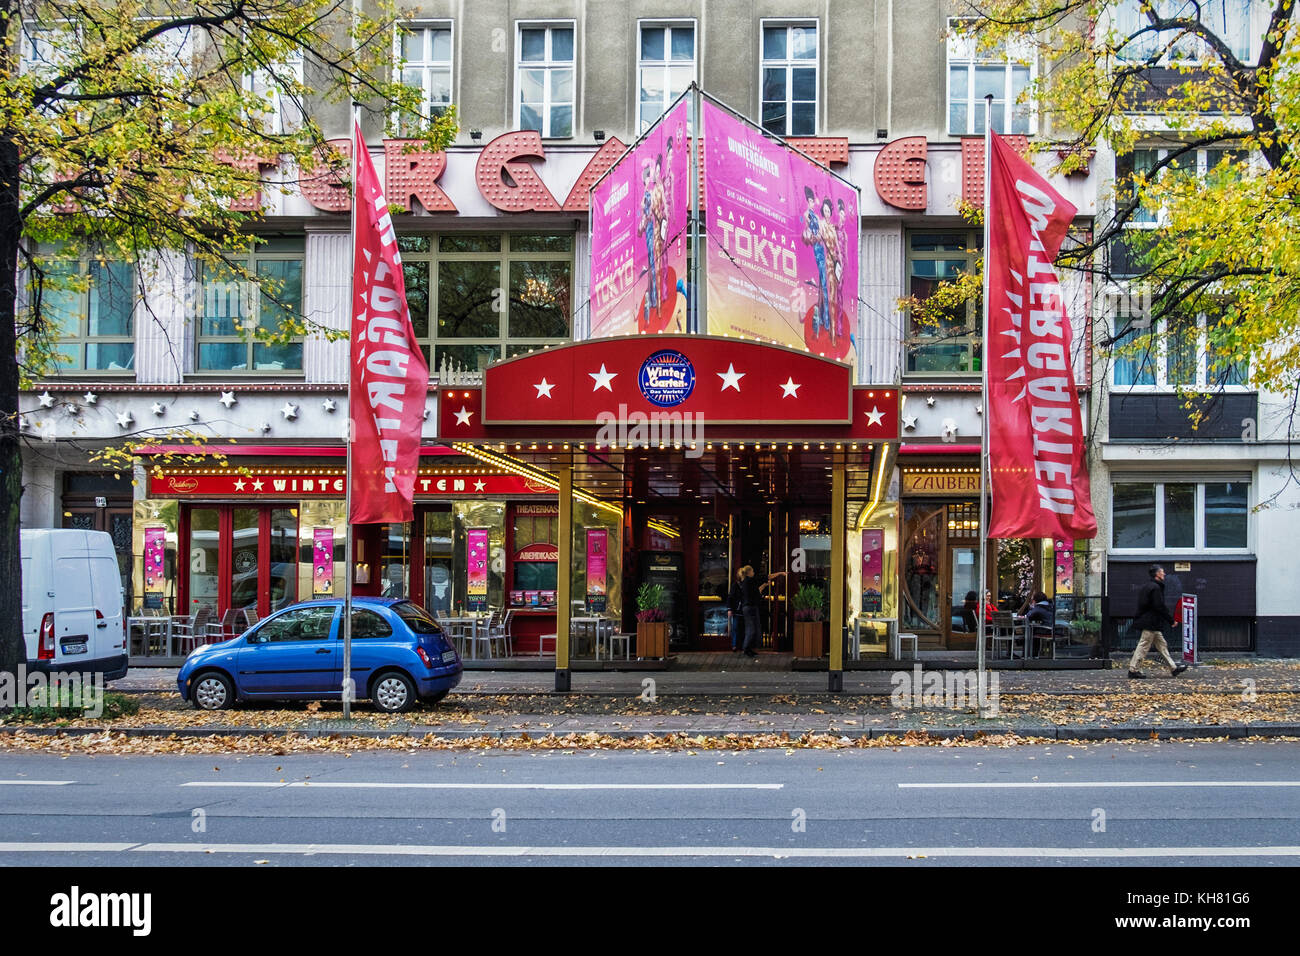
(90,398)
(264,427)
(239,484)
(257,482)
(544,387)
(290,411)
(790,388)
(930,402)
(949,430)
(730,378)
(46,399)
(602,379)
(329,405)
(875,416)
(426,414)
(463,416)
(159,409)
(979,409)
(71,408)
(909,422)
(228,399)
(124,420)
(194,414)
(480,485)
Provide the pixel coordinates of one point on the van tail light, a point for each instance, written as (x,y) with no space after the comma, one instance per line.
(45,645)
(100,620)
(423,656)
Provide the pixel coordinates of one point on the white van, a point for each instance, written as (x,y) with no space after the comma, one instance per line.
(72,602)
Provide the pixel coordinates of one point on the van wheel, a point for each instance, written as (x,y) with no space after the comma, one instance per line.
(393,692)
(212,691)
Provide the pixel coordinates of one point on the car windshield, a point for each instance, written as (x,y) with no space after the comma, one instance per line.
(416,618)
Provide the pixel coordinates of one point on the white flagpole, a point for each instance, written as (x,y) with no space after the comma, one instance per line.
(981,678)
(348,691)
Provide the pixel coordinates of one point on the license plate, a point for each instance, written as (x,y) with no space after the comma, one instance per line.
(74,648)
(448,656)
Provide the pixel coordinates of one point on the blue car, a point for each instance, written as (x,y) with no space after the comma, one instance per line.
(399,655)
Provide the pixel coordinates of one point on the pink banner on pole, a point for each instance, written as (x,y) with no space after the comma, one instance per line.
(322,562)
(597,566)
(155,548)
(873,570)
(476,559)
(638,234)
(782,246)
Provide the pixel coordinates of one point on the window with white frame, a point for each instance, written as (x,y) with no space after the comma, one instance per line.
(279,90)
(974,73)
(1180,515)
(545,78)
(665,66)
(233,308)
(1235,22)
(88,302)
(425,55)
(1185,352)
(788,77)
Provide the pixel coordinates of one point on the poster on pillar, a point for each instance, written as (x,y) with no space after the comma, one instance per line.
(322,562)
(873,570)
(782,242)
(638,234)
(597,567)
(155,545)
(476,566)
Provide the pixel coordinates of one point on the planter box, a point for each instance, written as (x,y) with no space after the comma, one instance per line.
(809,638)
(652,639)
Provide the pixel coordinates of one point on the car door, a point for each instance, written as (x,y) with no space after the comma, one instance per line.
(291,653)
(372,647)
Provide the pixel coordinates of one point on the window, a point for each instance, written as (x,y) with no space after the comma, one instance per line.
(479,297)
(1180,515)
(1229,20)
(300,624)
(1183,352)
(89,304)
(665,67)
(974,73)
(788,78)
(425,56)
(231,310)
(369,624)
(942,340)
(544,79)
(280,90)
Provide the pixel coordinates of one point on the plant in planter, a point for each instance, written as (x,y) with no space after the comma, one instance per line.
(652,622)
(809,608)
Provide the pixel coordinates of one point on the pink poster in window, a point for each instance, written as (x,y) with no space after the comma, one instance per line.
(322,562)
(476,559)
(155,547)
(597,564)
(873,569)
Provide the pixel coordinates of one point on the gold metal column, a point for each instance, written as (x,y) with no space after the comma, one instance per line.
(835,681)
(564,578)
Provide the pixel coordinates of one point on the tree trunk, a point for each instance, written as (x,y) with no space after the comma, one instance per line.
(12,649)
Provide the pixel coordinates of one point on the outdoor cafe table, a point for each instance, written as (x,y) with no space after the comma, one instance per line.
(470,621)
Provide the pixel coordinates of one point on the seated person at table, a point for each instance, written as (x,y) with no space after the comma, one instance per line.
(1041,615)
(969,612)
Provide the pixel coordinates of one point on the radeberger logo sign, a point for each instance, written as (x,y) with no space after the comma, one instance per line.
(941,483)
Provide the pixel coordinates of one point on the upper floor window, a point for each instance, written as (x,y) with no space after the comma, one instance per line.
(942,340)
(279,89)
(788,78)
(665,66)
(1184,352)
(479,297)
(1232,21)
(232,308)
(544,78)
(1184,515)
(973,74)
(89,304)
(425,55)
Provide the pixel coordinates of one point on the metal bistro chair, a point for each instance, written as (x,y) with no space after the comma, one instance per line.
(1002,629)
(227,627)
(187,635)
(251,615)
(502,632)
(480,632)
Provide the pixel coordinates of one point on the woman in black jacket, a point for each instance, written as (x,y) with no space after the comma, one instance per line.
(735,622)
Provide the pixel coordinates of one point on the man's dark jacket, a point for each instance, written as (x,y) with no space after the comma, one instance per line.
(1152,614)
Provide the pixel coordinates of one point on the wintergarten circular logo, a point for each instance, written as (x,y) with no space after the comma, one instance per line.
(667,378)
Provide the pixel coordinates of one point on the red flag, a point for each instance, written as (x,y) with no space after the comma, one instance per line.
(1039,478)
(390,378)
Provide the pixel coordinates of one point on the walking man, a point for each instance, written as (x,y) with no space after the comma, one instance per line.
(749,604)
(1153,617)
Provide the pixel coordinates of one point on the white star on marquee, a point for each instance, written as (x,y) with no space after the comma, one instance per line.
(875,416)
(602,379)
(730,378)
(290,411)
(159,409)
(228,399)
(480,485)
(46,399)
(257,484)
(91,398)
(124,420)
(462,416)
(328,405)
(790,388)
(909,421)
(239,484)
(544,387)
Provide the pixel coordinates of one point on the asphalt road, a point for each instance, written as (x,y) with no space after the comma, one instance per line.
(1231,804)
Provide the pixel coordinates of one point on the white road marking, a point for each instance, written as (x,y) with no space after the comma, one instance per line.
(1084,784)
(36,783)
(773,852)
(352,785)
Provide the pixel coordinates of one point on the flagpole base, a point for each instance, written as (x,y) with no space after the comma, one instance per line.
(563,680)
(835,682)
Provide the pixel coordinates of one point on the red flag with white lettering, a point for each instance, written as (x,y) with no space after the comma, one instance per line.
(390,378)
(1039,476)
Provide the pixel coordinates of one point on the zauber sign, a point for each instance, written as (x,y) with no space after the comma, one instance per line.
(941,483)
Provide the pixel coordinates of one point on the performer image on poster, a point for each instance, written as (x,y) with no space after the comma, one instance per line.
(647,226)
(842,242)
(667,205)
(831,241)
(659,214)
(813,236)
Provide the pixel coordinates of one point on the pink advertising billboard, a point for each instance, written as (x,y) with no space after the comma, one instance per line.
(322,562)
(155,547)
(476,557)
(638,234)
(782,247)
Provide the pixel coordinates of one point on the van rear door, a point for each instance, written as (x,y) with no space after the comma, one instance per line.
(74,608)
(107,637)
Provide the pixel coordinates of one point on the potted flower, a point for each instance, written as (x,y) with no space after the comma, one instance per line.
(651,622)
(809,607)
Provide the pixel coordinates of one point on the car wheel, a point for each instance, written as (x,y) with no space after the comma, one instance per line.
(393,692)
(436,698)
(212,691)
